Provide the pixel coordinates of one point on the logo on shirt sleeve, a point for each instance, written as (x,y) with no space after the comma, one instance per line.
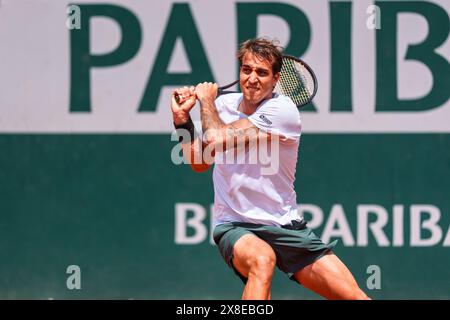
(264,118)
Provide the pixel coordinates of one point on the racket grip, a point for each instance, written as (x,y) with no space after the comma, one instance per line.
(177,97)
(180,99)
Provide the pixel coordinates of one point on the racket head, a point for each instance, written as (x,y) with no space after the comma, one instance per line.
(297,81)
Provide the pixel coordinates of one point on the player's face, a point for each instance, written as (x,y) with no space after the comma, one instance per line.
(256,79)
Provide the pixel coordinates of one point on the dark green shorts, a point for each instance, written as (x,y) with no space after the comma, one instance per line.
(295,246)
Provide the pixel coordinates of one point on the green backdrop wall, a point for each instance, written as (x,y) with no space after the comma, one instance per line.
(106,204)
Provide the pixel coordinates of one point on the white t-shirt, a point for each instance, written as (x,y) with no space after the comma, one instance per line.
(256,185)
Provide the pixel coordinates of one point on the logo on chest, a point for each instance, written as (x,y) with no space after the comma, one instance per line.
(264,118)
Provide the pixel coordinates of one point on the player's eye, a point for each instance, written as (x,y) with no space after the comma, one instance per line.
(262,73)
(246,70)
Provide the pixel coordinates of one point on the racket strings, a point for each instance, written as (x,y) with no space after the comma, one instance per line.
(293,82)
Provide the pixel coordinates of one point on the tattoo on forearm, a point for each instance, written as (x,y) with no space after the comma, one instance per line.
(224,135)
(210,116)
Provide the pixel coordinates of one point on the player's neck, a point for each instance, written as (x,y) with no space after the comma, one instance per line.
(248,107)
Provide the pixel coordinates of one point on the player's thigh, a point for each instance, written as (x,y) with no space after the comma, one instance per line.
(250,251)
(329,277)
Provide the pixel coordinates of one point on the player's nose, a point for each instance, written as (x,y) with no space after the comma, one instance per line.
(253,78)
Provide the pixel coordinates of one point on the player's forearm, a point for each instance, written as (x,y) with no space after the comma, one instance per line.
(193,151)
(213,127)
(194,154)
(180,117)
(209,116)
(220,136)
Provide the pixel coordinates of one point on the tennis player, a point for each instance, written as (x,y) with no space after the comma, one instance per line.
(257,225)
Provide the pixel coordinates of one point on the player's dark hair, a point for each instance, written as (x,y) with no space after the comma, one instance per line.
(264,49)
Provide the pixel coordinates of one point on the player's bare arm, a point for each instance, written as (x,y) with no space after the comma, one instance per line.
(218,135)
(192,148)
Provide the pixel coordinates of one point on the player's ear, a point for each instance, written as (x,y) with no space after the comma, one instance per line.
(276,77)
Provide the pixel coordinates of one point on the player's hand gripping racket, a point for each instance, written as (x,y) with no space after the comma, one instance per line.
(297,81)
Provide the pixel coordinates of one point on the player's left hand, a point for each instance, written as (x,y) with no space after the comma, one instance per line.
(181,110)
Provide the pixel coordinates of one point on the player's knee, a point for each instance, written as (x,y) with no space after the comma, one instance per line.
(263,266)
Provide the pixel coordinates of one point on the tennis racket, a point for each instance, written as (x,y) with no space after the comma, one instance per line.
(297,81)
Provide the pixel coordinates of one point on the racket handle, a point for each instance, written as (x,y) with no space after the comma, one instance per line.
(177,97)
(221,90)
(180,98)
